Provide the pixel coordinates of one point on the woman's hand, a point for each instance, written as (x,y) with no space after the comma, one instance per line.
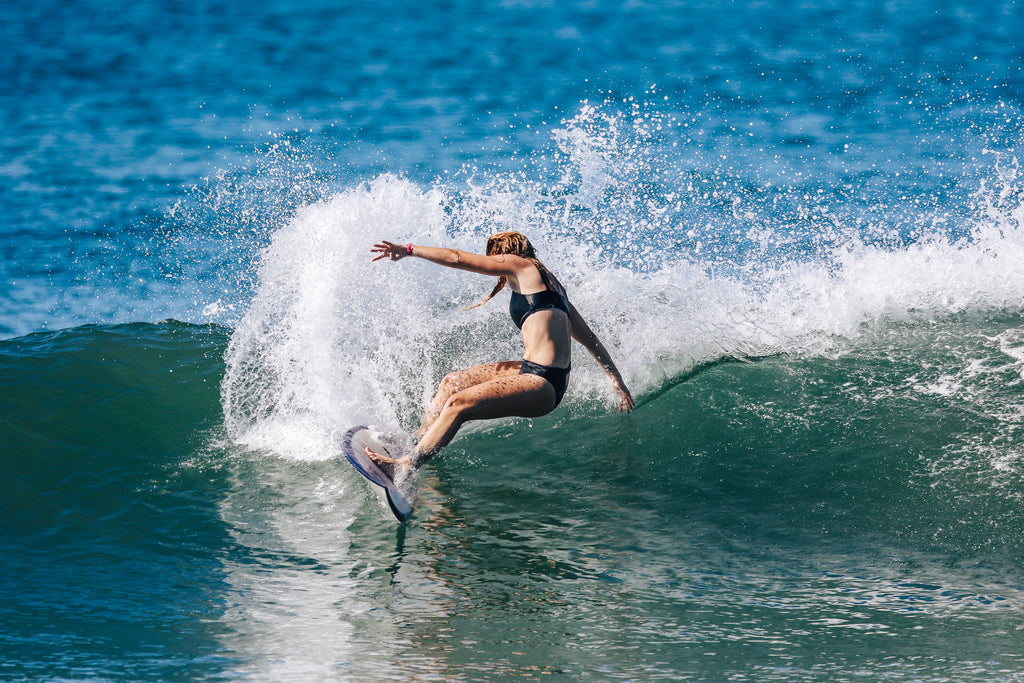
(390,250)
(626,402)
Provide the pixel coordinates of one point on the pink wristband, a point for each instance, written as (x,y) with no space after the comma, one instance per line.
(408,249)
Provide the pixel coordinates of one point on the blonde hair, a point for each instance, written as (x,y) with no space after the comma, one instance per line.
(515,243)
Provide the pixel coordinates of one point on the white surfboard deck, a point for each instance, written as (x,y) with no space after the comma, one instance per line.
(353,443)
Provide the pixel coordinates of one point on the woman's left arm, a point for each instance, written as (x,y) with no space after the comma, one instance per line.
(582,333)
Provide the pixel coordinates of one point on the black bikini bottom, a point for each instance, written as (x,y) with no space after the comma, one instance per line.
(557,377)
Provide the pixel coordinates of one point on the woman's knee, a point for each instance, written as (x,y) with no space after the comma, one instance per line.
(456,403)
(462,406)
(445,389)
(452,382)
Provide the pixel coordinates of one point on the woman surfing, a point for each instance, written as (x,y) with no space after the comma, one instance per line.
(531,387)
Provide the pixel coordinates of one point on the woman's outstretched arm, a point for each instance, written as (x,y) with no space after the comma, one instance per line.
(582,333)
(497,265)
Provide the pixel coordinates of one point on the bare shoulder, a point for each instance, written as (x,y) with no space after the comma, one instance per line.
(528,277)
(516,263)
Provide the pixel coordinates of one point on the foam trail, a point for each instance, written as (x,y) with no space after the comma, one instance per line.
(322,344)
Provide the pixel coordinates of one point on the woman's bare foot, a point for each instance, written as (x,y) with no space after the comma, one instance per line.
(392,467)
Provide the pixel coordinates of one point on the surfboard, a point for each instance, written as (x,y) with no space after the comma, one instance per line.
(353,443)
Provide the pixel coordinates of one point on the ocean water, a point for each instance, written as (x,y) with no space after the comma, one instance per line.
(798,227)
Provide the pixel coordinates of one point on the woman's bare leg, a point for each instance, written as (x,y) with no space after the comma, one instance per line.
(462,380)
(507,395)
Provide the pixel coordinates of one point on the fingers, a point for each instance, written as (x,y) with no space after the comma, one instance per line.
(388,250)
(626,402)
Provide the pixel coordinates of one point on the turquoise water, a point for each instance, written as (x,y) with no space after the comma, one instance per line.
(797,228)
(784,519)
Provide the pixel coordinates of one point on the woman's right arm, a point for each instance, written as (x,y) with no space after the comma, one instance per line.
(499,265)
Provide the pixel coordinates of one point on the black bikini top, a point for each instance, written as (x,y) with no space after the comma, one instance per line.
(522,306)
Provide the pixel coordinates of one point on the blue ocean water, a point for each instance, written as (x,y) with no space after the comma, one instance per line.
(797,226)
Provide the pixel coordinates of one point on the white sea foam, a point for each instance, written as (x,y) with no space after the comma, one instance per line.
(332,339)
